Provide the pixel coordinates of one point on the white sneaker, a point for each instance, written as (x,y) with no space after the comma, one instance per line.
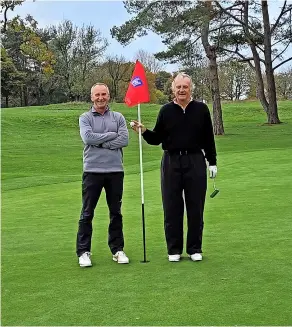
(173,257)
(120,257)
(84,260)
(196,257)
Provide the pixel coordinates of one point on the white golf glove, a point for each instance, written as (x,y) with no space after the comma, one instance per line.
(213,171)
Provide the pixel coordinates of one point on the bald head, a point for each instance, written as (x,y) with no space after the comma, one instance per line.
(100,96)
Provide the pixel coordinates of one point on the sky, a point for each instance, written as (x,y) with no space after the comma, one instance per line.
(104,15)
(101,14)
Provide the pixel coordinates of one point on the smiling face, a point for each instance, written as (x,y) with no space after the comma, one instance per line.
(100,97)
(182,89)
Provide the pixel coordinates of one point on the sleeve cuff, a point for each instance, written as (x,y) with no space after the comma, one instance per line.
(212,162)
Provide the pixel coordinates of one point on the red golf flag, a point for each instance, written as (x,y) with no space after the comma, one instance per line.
(138,88)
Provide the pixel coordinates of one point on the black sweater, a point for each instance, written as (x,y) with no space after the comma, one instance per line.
(189,129)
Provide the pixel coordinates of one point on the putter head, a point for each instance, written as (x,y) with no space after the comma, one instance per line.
(214,193)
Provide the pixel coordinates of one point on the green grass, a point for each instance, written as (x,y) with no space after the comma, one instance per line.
(244,279)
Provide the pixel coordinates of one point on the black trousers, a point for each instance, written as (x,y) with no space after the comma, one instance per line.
(92,185)
(183,173)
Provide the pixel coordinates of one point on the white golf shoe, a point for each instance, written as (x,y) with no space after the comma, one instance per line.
(84,260)
(174,257)
(120,257)
(196,257)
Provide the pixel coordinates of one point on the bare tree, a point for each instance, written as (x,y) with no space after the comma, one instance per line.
(284,84)
(149,61)
(78,51)
(118,69)
(234,79)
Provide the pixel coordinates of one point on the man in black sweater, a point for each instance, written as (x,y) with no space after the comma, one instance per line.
(184,127)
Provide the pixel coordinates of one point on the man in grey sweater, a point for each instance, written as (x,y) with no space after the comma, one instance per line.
(104,134)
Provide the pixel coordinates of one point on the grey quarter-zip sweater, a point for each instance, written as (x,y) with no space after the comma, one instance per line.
(103,136)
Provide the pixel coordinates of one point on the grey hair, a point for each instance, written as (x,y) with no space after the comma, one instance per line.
(94,85)
(183,75)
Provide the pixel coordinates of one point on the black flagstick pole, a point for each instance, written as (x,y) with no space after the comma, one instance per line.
(142,186)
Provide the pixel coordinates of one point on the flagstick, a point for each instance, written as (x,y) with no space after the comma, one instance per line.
(142,184)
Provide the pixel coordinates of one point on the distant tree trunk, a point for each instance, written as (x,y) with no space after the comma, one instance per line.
(7,101)
(51,96)
(260,89)
(25,96)
(39,97)
(4,28)
(237,92)
(213,71)
(273,117)
(114,90)
(232,91)
(70,96)
(21,96)
(215,92)
(260,81)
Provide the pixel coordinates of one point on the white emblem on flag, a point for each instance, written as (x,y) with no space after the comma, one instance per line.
(136,81)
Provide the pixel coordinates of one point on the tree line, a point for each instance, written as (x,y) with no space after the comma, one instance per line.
(231,50)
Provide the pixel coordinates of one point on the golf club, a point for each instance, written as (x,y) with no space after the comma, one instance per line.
(216,191)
